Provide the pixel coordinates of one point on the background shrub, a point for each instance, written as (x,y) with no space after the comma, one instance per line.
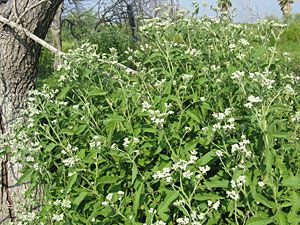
(205,132)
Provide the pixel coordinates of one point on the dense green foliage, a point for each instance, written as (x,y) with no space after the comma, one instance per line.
(205,132)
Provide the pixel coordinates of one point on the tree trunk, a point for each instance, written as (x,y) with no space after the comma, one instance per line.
(18,69)
(56,32)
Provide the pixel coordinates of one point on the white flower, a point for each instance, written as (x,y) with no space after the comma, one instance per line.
(145,105)
(216,205)
(202,99)
(109,196)
(71,161)
(187,174)
(121,193)
(152,211)
(233,195)
(58,217)
(105,203)
(204,169)
(201,216)
(209,203)
(241,181)
(248,105)
(187,77)
(217,126)
(179,203)
(261,184)
(187,129)
(254,99)
(219,116)
(238,75)
(159,222)
(244,42)
(66,203)
(126,142)
(219,153)
(183,221)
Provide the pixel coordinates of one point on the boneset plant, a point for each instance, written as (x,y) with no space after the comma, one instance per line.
(206,131)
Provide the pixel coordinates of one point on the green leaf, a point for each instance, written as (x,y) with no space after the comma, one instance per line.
(204,160)
(194,115)
(216,183)
(50,147)
(137,196)
(80,198)
(207,196)
(108,179)
(63,93)
(71,182)
(263,200)
(80,129)
(26,176)
(269,160)
(281,218)
(97,92)
(259,52)
(259,220)
(170,197)
(280,134)
(134,173)
(293,182)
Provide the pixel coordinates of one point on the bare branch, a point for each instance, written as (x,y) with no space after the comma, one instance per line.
(30,35)
(50,47)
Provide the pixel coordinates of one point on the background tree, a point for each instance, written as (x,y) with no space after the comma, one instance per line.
(224,6)
(286,7)
(19,56)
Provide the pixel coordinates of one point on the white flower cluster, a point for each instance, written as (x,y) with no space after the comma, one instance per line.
(236,186)
(156,116)
(228,122)
(262,78)
(164,174)
(71,161)
(196,218)
(58,217)
(109,198)
(65,203)
(127,142)
(180,166)
(95,143)
(296,117)
(158,84)
(238,75)
(251,100)
(241,147)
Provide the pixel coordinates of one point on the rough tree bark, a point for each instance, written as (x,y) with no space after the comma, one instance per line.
(18,69)
(56,32)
